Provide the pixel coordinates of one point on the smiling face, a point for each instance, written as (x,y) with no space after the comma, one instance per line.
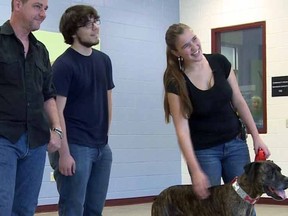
(31,13)
(188,46)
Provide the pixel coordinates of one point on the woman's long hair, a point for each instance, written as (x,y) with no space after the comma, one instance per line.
(173,74)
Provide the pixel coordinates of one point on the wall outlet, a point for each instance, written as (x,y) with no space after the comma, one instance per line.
(52,177)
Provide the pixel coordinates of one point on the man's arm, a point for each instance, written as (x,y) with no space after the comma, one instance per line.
(109,107)
(53,116)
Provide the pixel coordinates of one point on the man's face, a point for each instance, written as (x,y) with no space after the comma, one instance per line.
(33,13)
(88,35)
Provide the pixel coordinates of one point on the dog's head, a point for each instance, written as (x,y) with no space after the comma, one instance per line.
(269,178)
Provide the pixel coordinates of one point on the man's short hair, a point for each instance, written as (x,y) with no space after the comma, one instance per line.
(75,17)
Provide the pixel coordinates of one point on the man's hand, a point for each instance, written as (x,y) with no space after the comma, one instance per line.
(67,166)
(54,143)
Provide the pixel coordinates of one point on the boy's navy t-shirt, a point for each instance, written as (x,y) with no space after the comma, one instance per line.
(84,81)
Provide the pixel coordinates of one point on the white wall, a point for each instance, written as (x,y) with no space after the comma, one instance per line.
(205,15)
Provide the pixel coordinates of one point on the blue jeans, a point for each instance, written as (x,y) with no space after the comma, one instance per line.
(21,176)
(85,192)
(224,161)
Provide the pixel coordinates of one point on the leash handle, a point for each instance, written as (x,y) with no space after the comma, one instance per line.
(260,156)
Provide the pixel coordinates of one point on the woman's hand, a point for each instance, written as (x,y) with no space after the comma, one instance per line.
(200,184)
(258,143)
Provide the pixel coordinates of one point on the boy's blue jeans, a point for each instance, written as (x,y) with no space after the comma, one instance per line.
(21,173)
(84,193)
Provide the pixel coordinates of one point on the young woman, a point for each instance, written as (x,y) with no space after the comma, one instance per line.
(202,96)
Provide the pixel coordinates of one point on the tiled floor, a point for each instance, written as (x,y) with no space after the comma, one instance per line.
(144,210)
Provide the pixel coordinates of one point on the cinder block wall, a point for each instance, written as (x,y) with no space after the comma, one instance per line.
(145,151)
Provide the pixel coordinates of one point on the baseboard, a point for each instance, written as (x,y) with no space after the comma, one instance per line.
(112,202)
(47,208)
(148,199)
(270,201)
(130,201)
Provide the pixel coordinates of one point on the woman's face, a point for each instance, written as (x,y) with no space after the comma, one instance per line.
(188,47)
(255,104)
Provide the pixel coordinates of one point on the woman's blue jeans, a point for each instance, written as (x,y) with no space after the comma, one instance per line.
(21,173)
(224,161)
(84,193)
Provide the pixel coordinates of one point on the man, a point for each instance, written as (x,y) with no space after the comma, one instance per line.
(26,105)
(83,79)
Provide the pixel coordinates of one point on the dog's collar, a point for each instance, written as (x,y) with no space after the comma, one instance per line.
(242,193)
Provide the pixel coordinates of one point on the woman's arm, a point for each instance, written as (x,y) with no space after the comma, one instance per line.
(199,178)
(244,112)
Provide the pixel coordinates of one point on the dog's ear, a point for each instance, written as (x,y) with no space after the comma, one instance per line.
(251,170)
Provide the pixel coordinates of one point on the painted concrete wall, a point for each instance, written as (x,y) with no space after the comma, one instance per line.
(145,150)
(203,16)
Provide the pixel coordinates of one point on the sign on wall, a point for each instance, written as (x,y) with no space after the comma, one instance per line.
(279,86)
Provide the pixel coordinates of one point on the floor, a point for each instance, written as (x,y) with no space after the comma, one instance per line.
(144,210)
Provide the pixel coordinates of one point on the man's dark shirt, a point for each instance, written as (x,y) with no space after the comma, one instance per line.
(25,84)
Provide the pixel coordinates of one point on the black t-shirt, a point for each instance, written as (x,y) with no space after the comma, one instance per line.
(213,120)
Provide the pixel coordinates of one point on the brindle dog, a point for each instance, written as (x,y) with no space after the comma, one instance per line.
(234,199)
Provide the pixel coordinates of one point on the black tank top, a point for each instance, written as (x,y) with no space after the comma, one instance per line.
(213,120)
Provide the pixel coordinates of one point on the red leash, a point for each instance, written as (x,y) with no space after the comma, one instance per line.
(260,156)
